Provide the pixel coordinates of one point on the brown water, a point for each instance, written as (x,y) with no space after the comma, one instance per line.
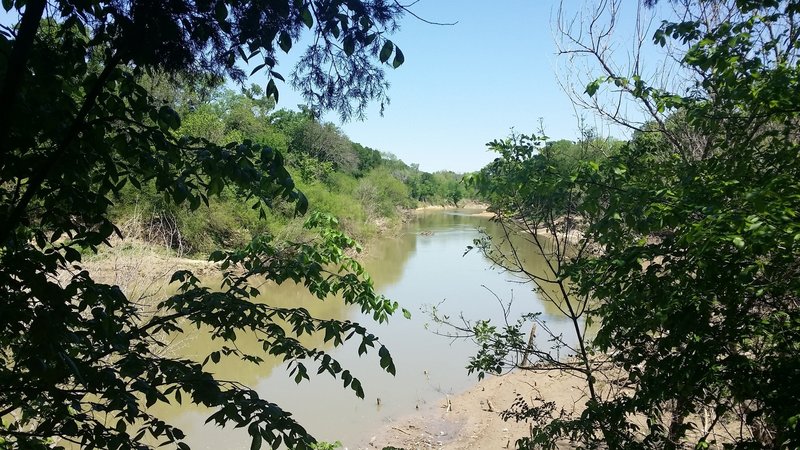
(425,266)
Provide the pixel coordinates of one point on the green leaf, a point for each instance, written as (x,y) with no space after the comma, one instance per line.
(356,386)
(386,360)
(221,11)
(256,444)
(170,117)
(70,428)
(307,18)
(257,68)
(349,45)
(386,51)
(285,41)
(71,255)
(399,58)
(242,54)
(179,275)
(272,90)
(302,204)
(592,87)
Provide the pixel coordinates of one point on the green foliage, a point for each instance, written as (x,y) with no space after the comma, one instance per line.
(713,289)
(358,184)
(204,123)
(696,225)
(368,158)
(494,345)
(532,178)
(310,168)
(381,194)
(365,193)
(338,204)
(442,187)
(326,143)
(533,190)
(326,445)
(89,116)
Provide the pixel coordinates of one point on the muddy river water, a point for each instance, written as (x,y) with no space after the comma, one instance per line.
(424,266)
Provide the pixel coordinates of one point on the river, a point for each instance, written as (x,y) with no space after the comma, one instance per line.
(424,266)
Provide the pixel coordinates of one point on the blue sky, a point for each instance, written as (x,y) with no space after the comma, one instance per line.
(464,85)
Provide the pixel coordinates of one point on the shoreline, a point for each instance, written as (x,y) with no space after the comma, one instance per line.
(469,419)
(134,247)
(472,419)
(465,205)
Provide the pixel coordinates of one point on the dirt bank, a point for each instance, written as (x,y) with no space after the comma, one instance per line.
(472,419)
(465,205)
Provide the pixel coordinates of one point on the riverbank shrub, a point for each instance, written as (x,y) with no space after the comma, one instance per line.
(81,363)
(695,282)
(361,186)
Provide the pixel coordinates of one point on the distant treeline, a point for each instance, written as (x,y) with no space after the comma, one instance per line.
(364,187)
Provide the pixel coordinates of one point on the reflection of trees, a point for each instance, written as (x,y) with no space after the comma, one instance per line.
(384,263)
(387,258)
(437,219)
(531,260)
(195,344)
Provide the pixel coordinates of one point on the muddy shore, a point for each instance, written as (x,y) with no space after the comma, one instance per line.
(472,419)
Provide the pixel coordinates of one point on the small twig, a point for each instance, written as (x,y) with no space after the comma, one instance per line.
(402,431)
(429,22)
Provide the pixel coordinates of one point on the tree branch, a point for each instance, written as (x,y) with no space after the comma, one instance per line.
(28,27)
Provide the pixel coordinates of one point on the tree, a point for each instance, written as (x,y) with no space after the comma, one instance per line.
(326,143)
(698,280)
(78,359)
(381,194)
(694,284)
(536,196)
(455,192)
(368,158)
(424,187)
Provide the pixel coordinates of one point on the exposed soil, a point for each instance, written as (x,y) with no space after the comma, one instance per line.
(472,419)
(464,205)
(484,213)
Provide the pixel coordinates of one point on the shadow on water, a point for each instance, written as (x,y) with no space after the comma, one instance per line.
(424,266)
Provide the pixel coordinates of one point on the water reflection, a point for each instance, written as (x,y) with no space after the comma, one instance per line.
(424,266)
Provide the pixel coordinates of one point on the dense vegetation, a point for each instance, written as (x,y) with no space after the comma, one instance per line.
(106,111)
(686,245)
(681,244)
(367,190)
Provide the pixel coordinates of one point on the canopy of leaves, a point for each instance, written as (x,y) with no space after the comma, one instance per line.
(697,224)
(81,120)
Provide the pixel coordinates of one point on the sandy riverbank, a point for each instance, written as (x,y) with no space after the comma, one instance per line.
(472,420)
(465,205)
(476,209)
